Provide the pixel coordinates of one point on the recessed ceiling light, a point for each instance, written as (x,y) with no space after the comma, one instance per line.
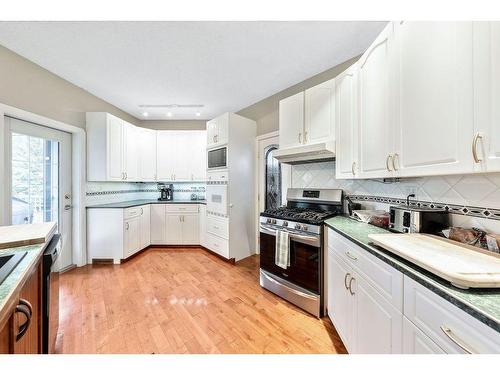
(145,114)
(169,114)
(198,114)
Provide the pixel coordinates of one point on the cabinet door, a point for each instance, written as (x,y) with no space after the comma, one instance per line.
(375,110)
(174,230)
(158,224)
(339,299)
(166,155)
(145,230)
(182,155)
(132,236)
(196,160)
(377,325)
(131,152)
(291,121)
(30,342)
(346,129)
(320,113)
(190,229)
(487,96)
(147,155)
(417,342)
(435,92)
(115,148)
(222,129)
(211,132)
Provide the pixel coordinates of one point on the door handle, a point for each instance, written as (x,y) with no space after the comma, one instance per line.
(26,309)
(305,137)
(68,207)
(477,159)
(449,333)
(345,280)
(300,137)
(127,226)
(350,286)
(387,165)
(353,168)
(394,158)
(349,255)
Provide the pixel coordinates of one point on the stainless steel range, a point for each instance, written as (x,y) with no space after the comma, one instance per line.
(300,283)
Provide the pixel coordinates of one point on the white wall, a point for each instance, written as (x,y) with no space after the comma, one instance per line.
(478,191)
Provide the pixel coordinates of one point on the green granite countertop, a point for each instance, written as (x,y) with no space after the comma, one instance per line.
(11,283)
(141,202)
(483,304)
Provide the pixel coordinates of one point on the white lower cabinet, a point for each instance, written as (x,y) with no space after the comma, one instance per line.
(145,226)
(203,225)
(175,224)
(132,230)
(376,310)
(417,342)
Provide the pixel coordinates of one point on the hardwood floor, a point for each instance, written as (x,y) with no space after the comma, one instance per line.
(182,301)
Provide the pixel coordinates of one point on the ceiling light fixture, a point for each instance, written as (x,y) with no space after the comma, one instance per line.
(145,114)
(198,114)
(169,114)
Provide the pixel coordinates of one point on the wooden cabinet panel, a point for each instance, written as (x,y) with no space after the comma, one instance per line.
(158,224)
(417,342)
(147,155)
(145,226)
(132,236)
(435,92)
(115,148)
(190,230)
(174,230)
(291,121)
(6,337)
(30,343)
(131,135)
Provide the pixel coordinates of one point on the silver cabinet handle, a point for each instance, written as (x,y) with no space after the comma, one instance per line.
(127,226)
(345,280)
(353,168)
(387,165)
(350,286)
(475,140)
(449,333)
(142,211)
(68,207)
(349,255)
(394,158)
(300,137)
(305,137)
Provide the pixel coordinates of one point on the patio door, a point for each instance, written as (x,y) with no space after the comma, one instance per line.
(40,179)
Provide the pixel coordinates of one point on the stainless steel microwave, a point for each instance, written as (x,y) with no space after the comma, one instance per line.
(217,158)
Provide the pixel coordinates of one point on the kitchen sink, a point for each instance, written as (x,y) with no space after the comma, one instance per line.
(8,263)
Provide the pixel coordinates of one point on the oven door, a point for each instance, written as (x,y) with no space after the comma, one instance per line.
(304,269)
(216,196)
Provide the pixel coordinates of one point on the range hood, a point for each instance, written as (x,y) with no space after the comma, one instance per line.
(324,151)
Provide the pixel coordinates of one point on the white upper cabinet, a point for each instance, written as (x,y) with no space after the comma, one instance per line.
(166,155)
(114,154)
(218,131)
(131,152)
(376,120)
(320,113)
(291,121)
(486,139)
(147,155)
(346,127)
(434,88)
(196,161)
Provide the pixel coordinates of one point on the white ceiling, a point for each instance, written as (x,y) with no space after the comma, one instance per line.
(224,66)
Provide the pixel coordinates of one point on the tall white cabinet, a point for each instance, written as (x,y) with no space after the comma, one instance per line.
(434,87)
(486,138)
(376,107)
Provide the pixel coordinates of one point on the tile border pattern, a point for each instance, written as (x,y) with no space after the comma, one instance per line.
(110,192)
(482,212)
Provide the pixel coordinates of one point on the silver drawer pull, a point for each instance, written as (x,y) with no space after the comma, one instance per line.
(345,280)
(349,255)
(449,333)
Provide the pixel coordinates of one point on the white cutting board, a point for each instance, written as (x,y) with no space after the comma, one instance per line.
(463,265)
(26,234)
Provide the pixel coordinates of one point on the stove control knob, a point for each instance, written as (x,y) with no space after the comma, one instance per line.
(269,221)
(298,226)
(304,227)
(285,223)
(274,221)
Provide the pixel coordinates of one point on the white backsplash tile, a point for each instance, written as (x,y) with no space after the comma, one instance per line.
(479,190)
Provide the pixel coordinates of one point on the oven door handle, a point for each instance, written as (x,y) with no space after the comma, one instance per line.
(308,240)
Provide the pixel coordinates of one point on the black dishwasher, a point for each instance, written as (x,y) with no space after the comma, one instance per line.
(50,295)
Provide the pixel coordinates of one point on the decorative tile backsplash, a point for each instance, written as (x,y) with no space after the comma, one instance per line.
(474,200)
(112,192)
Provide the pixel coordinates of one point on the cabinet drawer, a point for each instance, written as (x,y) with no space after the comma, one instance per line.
(387,280)
(448,326)
(218,245)
(182,208)
(217,176)
(131,212)
(218,226)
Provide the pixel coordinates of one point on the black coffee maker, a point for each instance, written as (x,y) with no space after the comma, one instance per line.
(166,192)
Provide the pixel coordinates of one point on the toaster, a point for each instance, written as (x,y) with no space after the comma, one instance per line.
(407,219)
